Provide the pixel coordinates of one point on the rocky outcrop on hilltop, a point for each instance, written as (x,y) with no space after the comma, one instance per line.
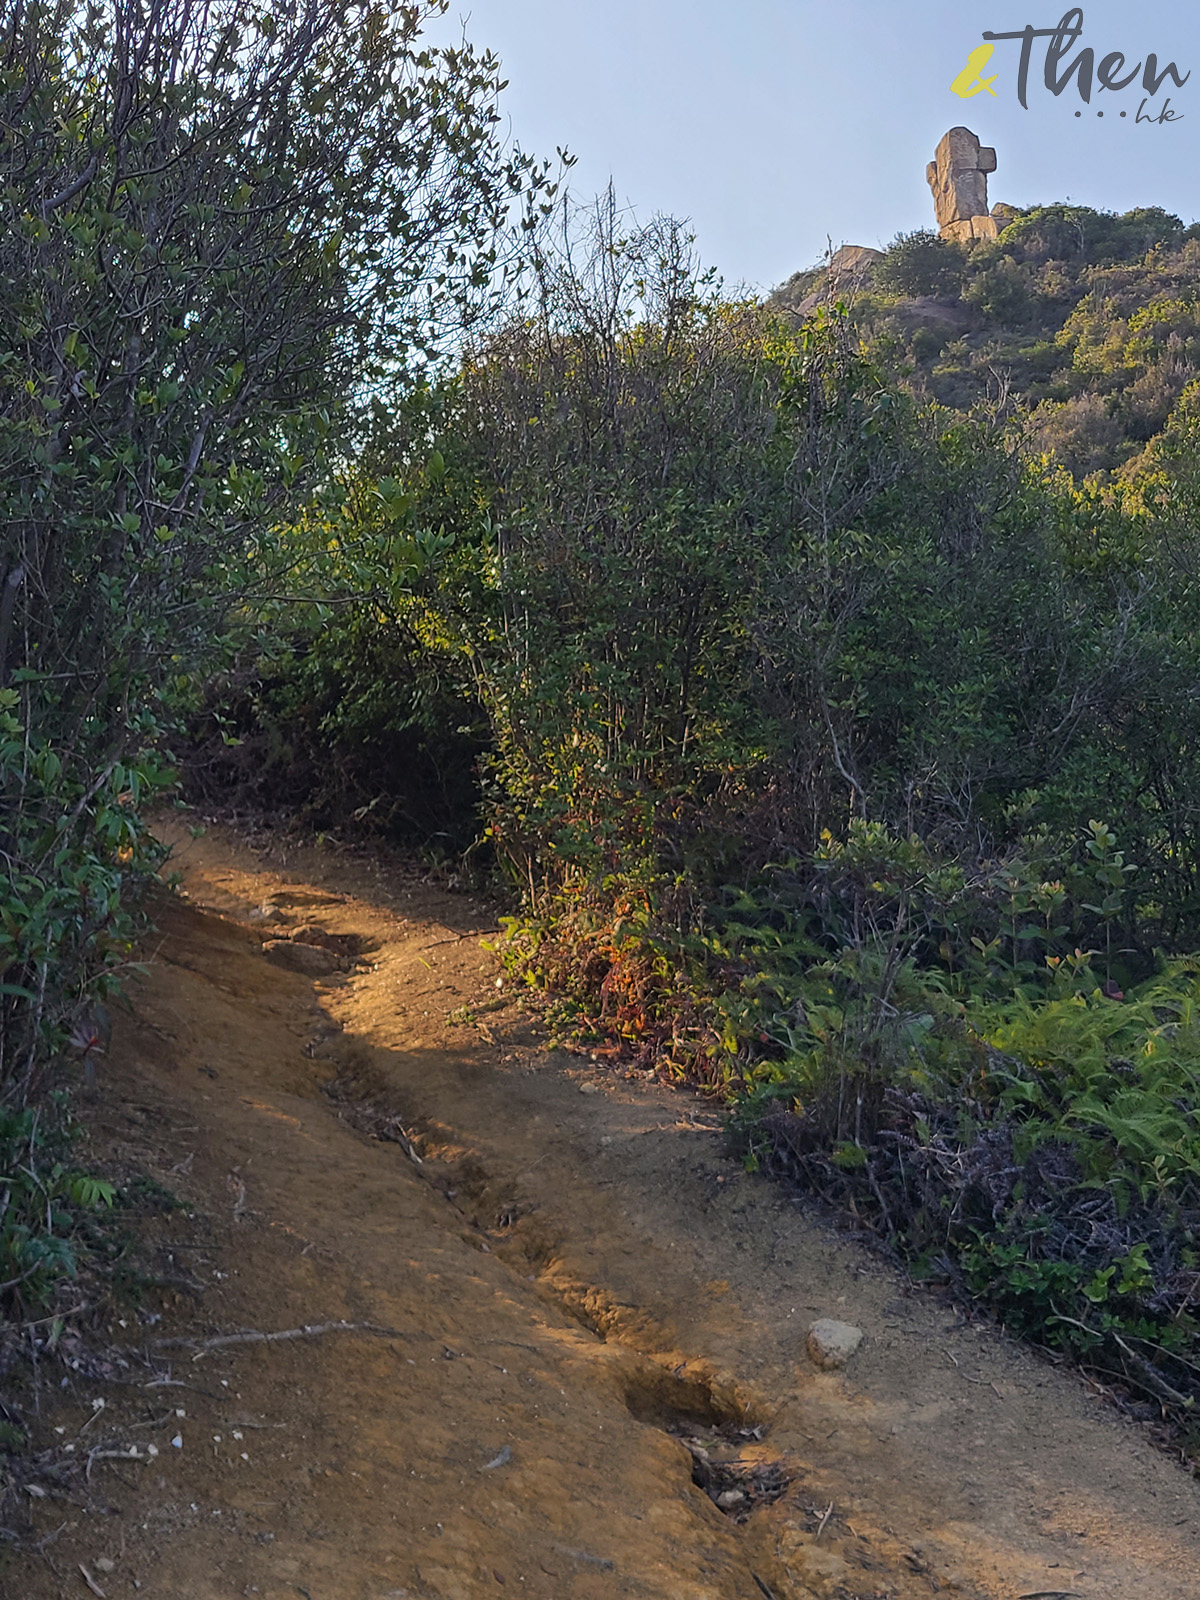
(958,176)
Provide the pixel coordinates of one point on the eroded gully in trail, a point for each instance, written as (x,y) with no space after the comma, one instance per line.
(576,1324)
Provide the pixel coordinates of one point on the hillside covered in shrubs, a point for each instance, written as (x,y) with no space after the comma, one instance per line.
(1085,320)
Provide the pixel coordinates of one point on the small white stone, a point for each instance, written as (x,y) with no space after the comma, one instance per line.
(589,1088)
(831,1344)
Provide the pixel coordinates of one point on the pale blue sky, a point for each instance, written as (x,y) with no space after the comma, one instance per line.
(774,124)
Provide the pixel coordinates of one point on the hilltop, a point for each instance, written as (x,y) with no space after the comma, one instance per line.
(1087,321)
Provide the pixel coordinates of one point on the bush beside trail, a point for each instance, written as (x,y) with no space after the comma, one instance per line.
(228,232)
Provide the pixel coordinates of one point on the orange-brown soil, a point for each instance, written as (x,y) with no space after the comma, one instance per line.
(559,1322)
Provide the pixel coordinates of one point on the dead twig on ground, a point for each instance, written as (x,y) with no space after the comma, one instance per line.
(310,1330)
(179,1383)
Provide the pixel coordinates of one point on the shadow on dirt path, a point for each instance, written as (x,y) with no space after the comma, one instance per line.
(544,1337)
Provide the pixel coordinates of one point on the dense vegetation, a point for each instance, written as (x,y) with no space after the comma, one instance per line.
(1085,321)
(228,230)
(839,746)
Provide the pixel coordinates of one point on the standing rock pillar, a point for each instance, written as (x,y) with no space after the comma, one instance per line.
(958,177)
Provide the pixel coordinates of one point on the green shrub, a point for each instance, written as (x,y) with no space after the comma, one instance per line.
(1000,292)
(1065,231)
(40,1203)
(920,263)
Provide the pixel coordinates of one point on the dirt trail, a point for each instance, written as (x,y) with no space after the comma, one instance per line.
(568,1304)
